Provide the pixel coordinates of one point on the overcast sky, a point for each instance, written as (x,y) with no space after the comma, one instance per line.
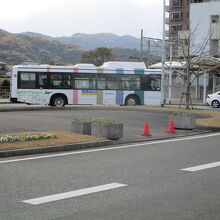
(67,17)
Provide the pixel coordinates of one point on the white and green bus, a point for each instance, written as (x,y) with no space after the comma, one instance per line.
(114,83)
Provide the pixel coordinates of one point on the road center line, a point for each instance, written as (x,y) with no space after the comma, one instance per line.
(109,148)
(202,167)
(72,194)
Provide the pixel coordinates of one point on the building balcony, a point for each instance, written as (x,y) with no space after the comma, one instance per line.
(167,33)
(215,33)
(167,8)
(167,20)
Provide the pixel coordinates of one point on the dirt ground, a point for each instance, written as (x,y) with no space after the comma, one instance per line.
(63,138)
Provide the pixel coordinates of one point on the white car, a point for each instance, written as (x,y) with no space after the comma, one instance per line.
(213,100)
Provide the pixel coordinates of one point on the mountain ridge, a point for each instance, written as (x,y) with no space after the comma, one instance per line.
(16,48)
(92,41)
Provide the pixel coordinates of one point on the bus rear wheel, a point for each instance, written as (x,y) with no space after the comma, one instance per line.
(58,101)
(131,100)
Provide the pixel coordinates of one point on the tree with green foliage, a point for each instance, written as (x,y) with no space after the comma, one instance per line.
(97,56)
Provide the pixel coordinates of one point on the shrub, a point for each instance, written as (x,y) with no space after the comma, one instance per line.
(96,120)
(183,114)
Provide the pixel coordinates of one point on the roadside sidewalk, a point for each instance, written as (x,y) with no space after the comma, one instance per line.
(6,104)
(4,101)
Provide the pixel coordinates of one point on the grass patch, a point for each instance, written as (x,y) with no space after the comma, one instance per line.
(210,117)
(62,138)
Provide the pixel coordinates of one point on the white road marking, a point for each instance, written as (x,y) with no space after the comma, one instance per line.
(72,194)
(202,167)
(109,148)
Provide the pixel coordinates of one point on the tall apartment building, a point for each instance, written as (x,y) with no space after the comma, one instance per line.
(205,18)
(178,21)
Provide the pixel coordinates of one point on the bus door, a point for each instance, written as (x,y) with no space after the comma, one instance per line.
(27,91)
(43,94)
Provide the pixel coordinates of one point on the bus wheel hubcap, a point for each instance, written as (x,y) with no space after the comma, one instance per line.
(131,101)
(59,102)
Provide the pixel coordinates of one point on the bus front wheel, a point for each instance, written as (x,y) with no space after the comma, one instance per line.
(58,101)
(131,100)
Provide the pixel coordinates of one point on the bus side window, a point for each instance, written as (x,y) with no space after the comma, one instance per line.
(155,82)
(112,82)
(101,83)
(146,83)
(42,82)
(135,83)
(60,81)
(65,81)
(125,83)
(27,80)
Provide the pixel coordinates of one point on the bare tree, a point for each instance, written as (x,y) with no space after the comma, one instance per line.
(191,54)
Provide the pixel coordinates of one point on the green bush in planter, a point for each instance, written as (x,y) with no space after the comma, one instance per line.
(96,120)
(183,114)
(183,120)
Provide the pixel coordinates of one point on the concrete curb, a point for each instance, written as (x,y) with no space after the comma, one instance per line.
(75,107)
(39,150)
(22,108)
(87,145)
(212,128)
(202,131)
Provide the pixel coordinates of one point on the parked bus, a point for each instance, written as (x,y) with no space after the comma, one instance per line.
(114,83)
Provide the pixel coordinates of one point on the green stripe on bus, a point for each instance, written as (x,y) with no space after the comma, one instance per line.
(139,71)
(140,94)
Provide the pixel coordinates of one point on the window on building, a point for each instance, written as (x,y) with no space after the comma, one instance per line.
(176,28)
(174,40)
(196,1)
(176,16)
(177,3)
(214,19)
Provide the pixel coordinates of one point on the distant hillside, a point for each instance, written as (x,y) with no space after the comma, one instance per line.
(39,48)
(92,41)
(17,48)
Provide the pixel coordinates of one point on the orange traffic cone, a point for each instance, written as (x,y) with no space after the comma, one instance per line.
(146,130)
(171,127)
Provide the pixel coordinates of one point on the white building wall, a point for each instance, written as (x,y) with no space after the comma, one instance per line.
(200,22)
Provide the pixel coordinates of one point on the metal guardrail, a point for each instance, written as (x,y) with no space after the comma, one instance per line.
(217,88)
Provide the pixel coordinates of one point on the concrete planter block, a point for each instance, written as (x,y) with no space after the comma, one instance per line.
(81,127)
(183,122)
(109,131)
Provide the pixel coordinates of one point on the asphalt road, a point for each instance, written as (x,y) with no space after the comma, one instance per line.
(154,185)
(60,120)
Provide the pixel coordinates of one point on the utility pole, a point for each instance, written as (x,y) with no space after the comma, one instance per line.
(163,57)
(142,45)
(170,72)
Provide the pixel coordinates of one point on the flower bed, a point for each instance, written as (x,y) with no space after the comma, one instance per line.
(31,137)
